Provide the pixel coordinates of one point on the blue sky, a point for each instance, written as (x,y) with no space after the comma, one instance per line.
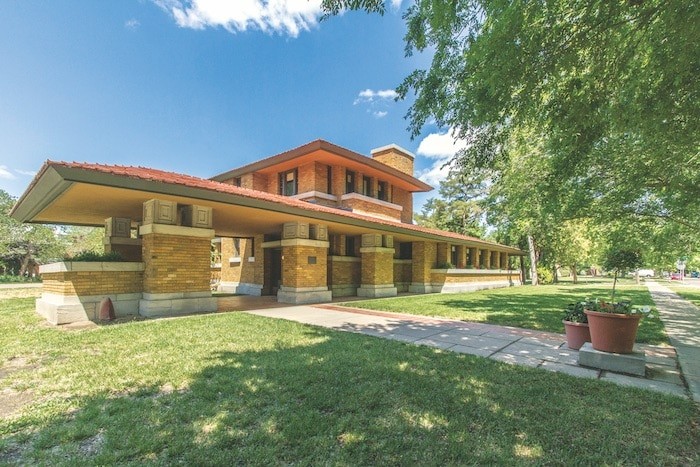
(199,86)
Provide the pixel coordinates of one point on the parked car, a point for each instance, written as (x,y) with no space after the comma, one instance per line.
(695,274)
(646,273)
(676,276)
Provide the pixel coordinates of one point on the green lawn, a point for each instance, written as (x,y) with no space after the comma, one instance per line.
(689,293)
(525,307)
(237,389)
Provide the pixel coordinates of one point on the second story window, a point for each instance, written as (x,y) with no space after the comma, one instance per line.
(288,183)
(349,181)
(329,180)
(383,191)
(237,181)
(366,186)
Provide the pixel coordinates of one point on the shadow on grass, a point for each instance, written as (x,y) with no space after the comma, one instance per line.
(349,399)
(528,307)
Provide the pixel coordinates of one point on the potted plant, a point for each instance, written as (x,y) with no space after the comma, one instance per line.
(576,325)
(614,326)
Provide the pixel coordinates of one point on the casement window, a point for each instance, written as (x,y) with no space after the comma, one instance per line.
(349,181)
(349,246)
(383,191)
(289,183)
(366,186)
(453,256)
(406,250)
(329,180)
(237,181)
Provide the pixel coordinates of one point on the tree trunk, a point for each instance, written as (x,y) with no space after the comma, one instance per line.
(533,260)
(574,275)
(25,264)
(614,284)
(555,274)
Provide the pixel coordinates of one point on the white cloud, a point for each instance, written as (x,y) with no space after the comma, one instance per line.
(132,24)
(271,16)
(368,95)
(396,4)
(441,148)
(5,173)
(440,145)
(380,113)
(28,173)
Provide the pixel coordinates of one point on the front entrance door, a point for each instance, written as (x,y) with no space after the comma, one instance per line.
(273,276)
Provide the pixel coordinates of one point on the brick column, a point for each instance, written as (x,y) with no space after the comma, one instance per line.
(443,253)
(177,267)
(377,276)
(504,260)
(304,266)
(177,276)
(486,254)
(424,254)
(473,260)
(461,257)
(495,259)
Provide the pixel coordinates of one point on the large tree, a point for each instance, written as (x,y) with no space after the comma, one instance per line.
(24,246)
(610,86)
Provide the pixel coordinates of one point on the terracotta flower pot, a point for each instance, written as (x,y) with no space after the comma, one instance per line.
(612,332)
(577,334)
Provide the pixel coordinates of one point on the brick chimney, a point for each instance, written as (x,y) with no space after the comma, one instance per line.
(396,157)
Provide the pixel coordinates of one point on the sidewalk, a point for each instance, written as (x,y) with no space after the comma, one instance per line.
(682,322)
(535,349)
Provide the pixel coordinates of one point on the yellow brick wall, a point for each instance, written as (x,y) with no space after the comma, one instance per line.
(405,199)
(370,207)
(377,268)
(230,272)
(443,278)
(92,282)
(296,270)
(397,161)
(345,272)
(176,264)
(307,175)
(402,272)
(424,259)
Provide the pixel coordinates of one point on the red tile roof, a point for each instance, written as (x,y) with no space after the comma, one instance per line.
(161,176)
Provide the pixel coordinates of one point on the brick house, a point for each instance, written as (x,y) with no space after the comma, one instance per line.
(310,224)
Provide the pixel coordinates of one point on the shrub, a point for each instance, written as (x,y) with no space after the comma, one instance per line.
(544,275)
(96,257)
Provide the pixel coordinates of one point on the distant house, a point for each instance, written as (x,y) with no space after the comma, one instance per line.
(310,224)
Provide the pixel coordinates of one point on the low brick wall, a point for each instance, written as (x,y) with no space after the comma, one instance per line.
(466,280)
(92,278)
(73,291)
(344,275)
(402,274)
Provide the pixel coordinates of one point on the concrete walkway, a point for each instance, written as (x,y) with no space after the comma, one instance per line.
(681,319)
(506,344)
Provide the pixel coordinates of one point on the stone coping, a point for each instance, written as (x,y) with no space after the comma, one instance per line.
(315,194)
(178,230)
(345,259)
(471,272)
(91,266)
(369,199)
(403,261)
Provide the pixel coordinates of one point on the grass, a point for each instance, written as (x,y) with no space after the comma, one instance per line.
(690,294)
(233,388)
(538,308)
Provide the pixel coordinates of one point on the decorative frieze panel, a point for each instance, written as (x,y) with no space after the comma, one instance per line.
(158,211)
(197,216)
(318,232)
(118,227)
(296,230)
